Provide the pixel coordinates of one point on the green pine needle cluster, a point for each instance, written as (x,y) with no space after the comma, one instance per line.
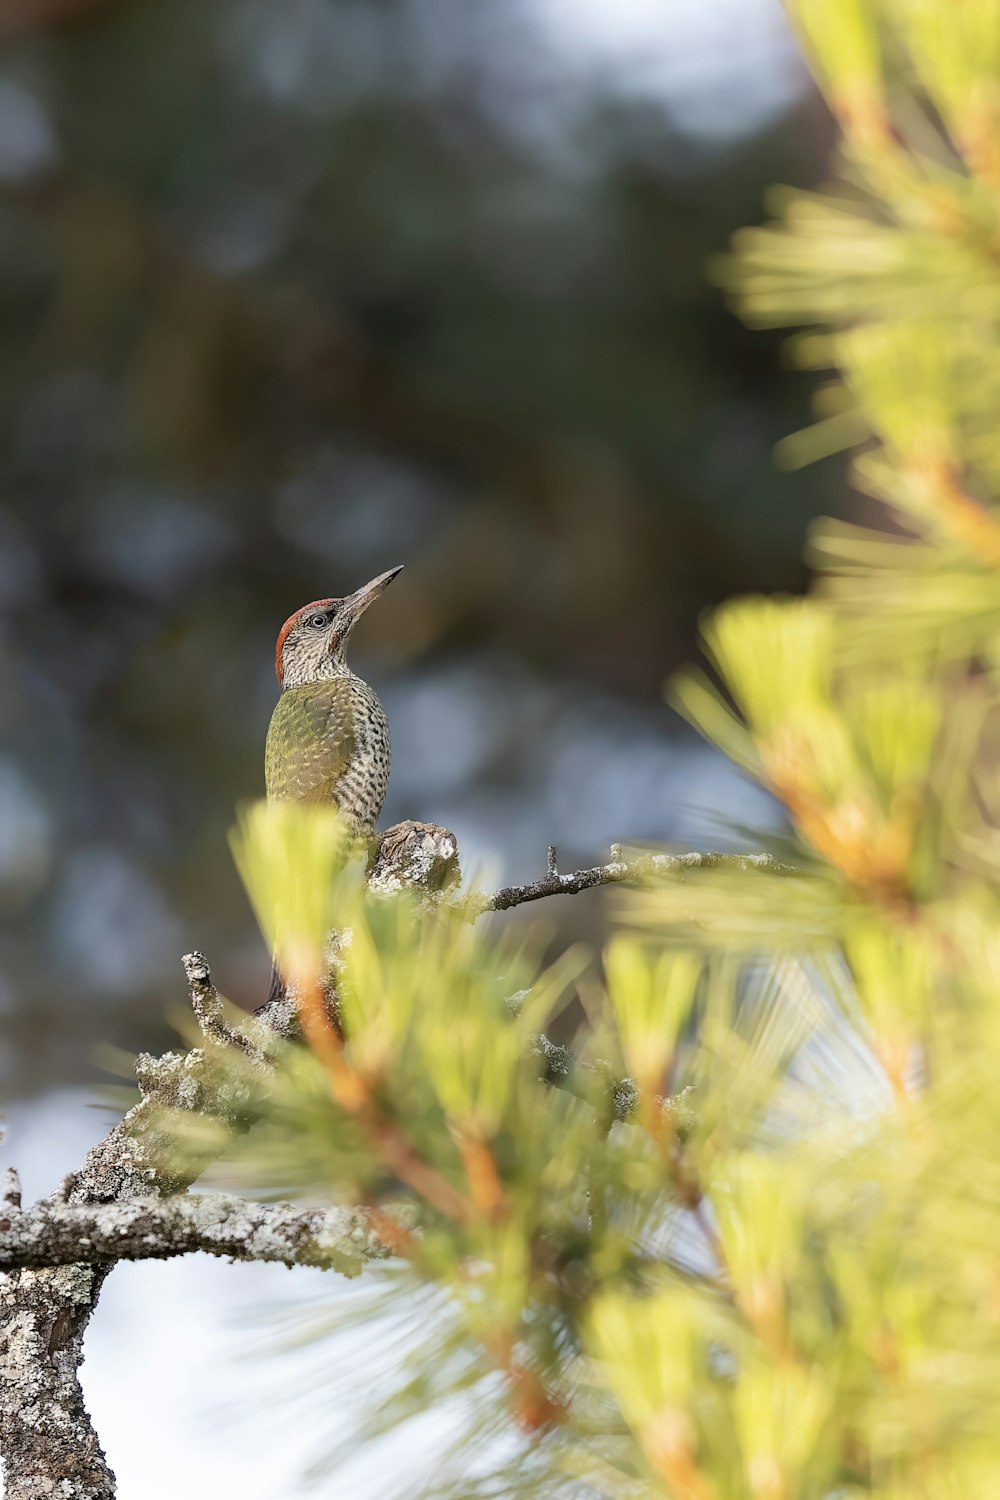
(790,1289)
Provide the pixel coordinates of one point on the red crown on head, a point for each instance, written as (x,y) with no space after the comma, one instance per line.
(289,623)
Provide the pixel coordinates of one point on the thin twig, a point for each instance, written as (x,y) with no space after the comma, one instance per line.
(615,872)
(209,1010)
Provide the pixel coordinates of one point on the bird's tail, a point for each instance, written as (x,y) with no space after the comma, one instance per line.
(276,990)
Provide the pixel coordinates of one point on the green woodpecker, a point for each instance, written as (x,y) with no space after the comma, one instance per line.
(328,740)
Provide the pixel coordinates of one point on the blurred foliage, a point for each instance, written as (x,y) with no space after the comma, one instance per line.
(293,292)
(789,1289)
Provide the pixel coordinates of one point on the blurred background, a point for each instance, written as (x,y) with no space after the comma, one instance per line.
(293,292)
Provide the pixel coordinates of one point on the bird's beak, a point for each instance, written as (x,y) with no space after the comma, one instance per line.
(355,604)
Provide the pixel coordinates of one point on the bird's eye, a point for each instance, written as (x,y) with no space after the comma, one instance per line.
(318,621)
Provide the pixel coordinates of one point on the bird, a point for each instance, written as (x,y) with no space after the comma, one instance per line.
(328,739)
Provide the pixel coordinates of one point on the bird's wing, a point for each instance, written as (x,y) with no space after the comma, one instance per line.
(310,741)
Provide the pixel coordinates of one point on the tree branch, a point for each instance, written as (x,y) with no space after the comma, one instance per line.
(209,1010)
(62,1234)
(48,1442)
(615,872)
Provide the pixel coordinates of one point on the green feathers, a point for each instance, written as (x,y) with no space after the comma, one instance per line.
(310,741)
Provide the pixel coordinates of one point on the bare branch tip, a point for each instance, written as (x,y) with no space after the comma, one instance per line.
(196,970)
(65,1189)
(10,1188)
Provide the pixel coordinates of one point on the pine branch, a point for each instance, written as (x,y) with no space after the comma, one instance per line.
(127,1201)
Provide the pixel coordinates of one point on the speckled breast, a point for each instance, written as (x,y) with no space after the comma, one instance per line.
(361,790)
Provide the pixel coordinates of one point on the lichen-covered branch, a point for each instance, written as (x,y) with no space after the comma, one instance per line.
(52,1233)
(615,872)
(48,1444)
(418,857)
(47,1441)
(209,1010)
